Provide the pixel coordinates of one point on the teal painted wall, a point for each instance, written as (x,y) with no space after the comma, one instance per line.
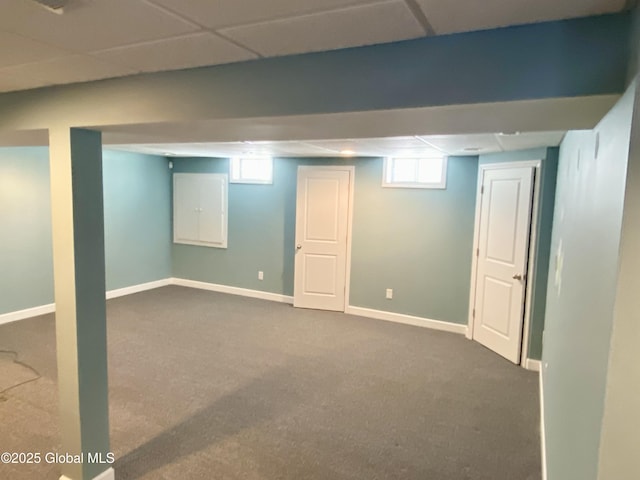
(417,242)
(26,257)
(582,291)
(137,202)
(548,173)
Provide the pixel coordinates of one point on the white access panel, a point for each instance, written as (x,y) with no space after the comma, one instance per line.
(186,203)
(200,209)
(213,214)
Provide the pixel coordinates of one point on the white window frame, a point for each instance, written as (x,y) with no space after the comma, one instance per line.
(254,181)
(388,163)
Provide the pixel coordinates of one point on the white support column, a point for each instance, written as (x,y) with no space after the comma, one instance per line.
(79,275)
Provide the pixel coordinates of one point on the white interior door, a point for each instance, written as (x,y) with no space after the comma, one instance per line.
(322,226)
(503,242)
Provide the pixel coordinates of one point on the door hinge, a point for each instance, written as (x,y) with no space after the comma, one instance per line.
(474,313)
(477,252)
(482,190)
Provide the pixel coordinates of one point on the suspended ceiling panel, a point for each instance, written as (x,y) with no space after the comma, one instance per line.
(354,26)
(228,13)
(72,68)
(530,140)
(417,146)
(16,50)
(198,49)
(89,25)
(451,16)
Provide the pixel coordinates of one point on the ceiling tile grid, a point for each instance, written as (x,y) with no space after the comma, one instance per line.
(452,16)
(230,13)
(195,50)
(353,26)
(407,147)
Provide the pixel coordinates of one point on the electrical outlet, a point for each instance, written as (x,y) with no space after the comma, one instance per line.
(260,275)
(389,293)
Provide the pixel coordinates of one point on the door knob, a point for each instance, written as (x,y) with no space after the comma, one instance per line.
(517,276)
(298,247)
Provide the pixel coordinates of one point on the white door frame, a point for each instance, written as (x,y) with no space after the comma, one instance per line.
(531,260)
(352,170)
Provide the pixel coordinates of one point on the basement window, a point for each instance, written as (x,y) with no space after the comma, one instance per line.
(415,172)
(257,170)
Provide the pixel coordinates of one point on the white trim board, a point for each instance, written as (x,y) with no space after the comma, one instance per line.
(27,313)
(406,319)
(51,307)
(533,365)
(543,435)
(245,292)
(108,474)
(121,292)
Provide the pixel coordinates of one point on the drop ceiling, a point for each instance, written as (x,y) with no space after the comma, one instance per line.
(95,39)
(413,146)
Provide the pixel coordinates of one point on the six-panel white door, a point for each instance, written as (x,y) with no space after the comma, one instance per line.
(322,222)
(503,242)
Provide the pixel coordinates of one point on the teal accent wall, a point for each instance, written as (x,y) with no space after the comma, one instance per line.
(137,203)
(634,46)
(418,242)
(26,256)
(548,173)
(582,291)
(137,206)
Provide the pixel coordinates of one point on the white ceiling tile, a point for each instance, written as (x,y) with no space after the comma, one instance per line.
(424,152)
(449,16)
(70,69)
(362,147)
(194,50)
(389,146)
(16,50)
(226,13)
(523,141)
(9,82)
(362,25)
(303,149)
(89,25)
(464,144)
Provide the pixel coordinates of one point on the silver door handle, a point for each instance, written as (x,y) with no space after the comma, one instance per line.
(517,276)
(298,247)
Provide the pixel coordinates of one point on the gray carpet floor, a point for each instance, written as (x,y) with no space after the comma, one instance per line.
(213,386)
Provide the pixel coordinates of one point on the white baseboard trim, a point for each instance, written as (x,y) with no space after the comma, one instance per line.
(51,308)
(27,313)
(108,474)
(543,435)
(245,292)
(121,292)
(533,365)
(406,319)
